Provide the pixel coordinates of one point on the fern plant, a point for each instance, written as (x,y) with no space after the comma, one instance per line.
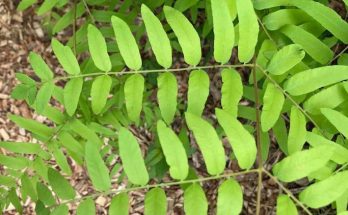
(291,78)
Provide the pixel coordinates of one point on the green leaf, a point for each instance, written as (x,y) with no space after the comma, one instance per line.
(273,101)
(68,18)
(330,97)
(32,126)
(28,187)
(17,163)
(326,191)
(78,127)
(60,185)
(285,206)
(242,142)
(72,92)
(40,67)
(99,92)
(208,142)
(98,49)
(198,91)
(279,18)
(157,37)
(230,198)
(61,160)
(167,95)
(97,170)
(65,57)
(60,210)
(311,44)
(340,154)
(70,143)
(223,31)
(44,194)
(20,147)
(46,6)
(326,16)
(337,119)
(285,59)
(43,97)
(248,30)
(297,131)
(174,151)
(300,164)
(126,43)
(24,4)
(133,92)
(186,34)
(155,202)
(313,79)
(86,207)
(231,91)
(195,201)
(132,160)
(14,199)
(119,205)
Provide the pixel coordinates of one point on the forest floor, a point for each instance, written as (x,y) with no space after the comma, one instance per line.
(21,33)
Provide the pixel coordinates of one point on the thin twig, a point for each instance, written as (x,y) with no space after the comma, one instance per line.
(338,55)
(74,27)
(287,191)
(166,184)
(88,11)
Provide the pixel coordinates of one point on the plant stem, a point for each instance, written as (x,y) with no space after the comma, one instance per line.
(166,184)
(152,71)
(258,141)
(287,191)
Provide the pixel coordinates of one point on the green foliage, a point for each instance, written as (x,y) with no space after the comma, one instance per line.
(115,126)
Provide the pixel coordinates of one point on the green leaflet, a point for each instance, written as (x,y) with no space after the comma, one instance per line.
(44,194)
(60,185)
(186,34)
(99,92)
(119,204)
(86,133)
(17,163)
(97,48)
(126,43)
(61,160)
(327,17)
(46,6)
(330,97)
(86,207)
(43,97)
(339,120)
(297,131)
(60,210)
(28,187)
(68,18)
(230,198)
(208,142)
(157,37)
(340,155)
(313,79)
(33,126)
(174,151)
(22,147)
(324,192)
(248,30)
(24,4)
(223,31)
(195,201)
(310,43)
(265,4)
(198,91)
(285,206)
(132,160)
(167,95)
(70,143)
(155,202)
(231,90)
(96,168)
(285,59)
(72,92)
(65,57)
(300,164)
(279,18)
(133,93)
(273,101)
(242,142)
(40,67)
